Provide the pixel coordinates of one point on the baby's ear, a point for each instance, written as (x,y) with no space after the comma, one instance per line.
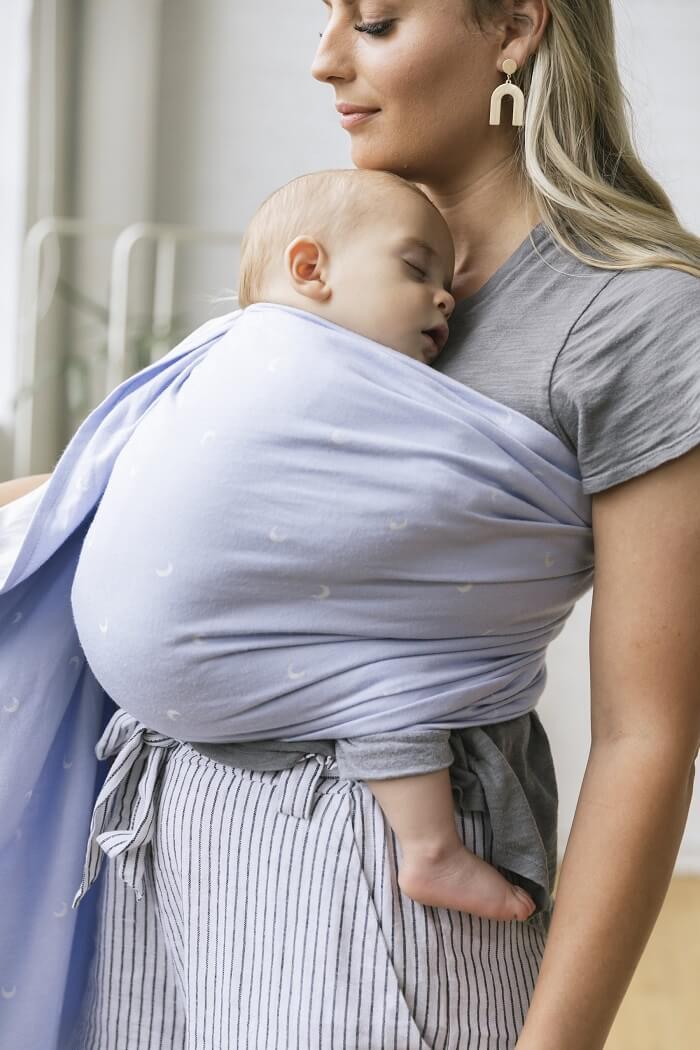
(306,264)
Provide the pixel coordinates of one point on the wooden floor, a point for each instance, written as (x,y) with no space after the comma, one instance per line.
(662,1008)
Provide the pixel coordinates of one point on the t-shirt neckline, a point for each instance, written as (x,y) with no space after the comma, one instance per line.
(502,273)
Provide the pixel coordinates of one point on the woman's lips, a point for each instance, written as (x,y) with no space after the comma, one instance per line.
(349,120)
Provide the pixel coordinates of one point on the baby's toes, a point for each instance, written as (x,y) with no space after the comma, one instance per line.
(522,903)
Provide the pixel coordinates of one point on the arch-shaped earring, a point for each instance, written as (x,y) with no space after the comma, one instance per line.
(509,67)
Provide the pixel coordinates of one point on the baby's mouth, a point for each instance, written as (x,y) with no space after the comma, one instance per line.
(438,338)
(432,349)
(438,335)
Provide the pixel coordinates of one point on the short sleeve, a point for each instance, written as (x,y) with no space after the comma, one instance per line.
(625,386)
(401,753)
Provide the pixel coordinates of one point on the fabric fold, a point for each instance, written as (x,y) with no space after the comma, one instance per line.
(123,819)
(365,546)
(523,817)
(53,712)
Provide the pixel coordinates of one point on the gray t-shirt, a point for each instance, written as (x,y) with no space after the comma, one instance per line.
(609,361)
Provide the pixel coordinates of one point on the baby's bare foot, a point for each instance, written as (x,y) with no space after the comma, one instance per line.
(459,879)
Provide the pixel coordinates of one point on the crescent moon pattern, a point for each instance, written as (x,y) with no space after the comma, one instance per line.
(103,627)
(8,994)
(277,534)
(209,435)
(173,715)
(464,588)
(63,912)
(325,592)
(17,617)
(166,571)
(74,660)
(67,765)
(28,794)
(396,525)
(12,706)
(548,560)
(294,674)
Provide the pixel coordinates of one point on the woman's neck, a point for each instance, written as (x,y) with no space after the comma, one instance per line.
(489,217)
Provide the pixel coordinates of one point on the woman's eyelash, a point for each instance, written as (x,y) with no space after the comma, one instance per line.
(373,28)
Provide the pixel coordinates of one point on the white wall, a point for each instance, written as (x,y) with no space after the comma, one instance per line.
(240,115)
(658,49)
(15,51)
(114,167)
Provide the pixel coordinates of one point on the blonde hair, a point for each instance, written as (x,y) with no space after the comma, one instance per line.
(325,204)
(575,149)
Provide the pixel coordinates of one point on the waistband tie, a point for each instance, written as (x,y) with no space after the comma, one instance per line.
(296,786)
(124,815)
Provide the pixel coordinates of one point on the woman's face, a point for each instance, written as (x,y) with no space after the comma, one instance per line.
(430,77)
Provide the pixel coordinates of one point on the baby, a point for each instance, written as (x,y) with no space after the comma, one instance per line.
(370,252)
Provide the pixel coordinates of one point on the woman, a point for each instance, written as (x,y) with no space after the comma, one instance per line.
(270,914)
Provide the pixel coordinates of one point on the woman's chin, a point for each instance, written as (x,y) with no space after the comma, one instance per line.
(374,158)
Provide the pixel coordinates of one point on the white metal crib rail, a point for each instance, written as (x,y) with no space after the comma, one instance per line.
(167,237)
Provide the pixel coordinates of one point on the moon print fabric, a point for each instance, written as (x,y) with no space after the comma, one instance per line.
(316,536)
(52,713)
(280,528)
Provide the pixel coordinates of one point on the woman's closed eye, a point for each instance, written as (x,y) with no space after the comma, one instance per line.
(372,28)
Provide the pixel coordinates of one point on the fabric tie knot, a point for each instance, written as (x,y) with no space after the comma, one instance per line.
(124,815)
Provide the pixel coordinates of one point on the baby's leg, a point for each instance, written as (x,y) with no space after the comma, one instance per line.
(436,868)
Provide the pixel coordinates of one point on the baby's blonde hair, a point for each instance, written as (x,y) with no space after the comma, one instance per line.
(328,205)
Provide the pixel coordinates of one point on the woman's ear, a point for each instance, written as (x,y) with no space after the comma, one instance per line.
(306,265)
(522,30)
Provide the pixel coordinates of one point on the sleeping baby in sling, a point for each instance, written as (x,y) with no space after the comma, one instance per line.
(311,534)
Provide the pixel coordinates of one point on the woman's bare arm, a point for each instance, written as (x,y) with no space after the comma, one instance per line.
(645,729)
(12,490)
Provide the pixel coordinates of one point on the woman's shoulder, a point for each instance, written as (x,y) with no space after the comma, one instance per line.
(625,388)
(642,290)
(654,291)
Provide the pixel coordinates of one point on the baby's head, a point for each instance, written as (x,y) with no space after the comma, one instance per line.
(364,249)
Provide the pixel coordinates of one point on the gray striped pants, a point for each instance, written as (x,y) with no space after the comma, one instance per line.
(247,910)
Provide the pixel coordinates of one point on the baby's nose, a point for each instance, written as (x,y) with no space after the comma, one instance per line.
(446,303)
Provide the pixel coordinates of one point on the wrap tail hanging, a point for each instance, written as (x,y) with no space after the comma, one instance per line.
(124,816)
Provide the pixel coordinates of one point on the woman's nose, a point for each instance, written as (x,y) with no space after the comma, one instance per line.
(331,58)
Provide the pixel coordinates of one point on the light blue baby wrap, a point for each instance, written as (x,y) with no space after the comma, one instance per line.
(316,536)
(280,529)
